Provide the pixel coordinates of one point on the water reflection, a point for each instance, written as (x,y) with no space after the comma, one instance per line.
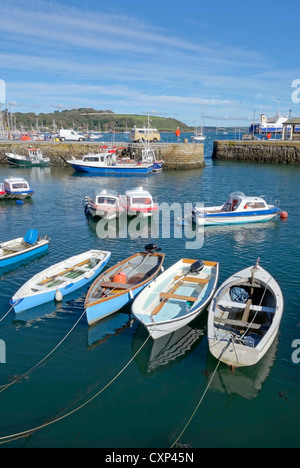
(245,382)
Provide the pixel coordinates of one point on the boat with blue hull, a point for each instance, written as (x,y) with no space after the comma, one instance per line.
(60,280)
(238,209)
(16,188)
(23,248)
(105,163)
(119,285)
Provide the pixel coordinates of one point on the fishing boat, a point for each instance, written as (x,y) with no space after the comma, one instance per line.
(60,279)
(106,203)
(20,249)
(17,188)
(35,158)
(176,297)
(105,162)
(244,317)
(139,202)
(119,285)
(237,209)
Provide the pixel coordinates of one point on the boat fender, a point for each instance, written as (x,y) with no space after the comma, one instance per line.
(131,294)
(283,215)
(86,210)
(58,296)
(197,266)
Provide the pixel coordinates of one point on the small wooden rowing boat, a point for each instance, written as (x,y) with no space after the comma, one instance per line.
(119,285)
(177,296)
(244,317)
(64,278)
(20,249)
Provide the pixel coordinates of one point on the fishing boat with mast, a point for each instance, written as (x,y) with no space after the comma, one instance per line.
(35,158)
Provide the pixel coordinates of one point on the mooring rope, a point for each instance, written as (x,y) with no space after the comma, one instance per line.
(30,431)
(201,399)
(4,387)
(5,315)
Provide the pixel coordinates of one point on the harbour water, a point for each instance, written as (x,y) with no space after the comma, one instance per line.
(155,396)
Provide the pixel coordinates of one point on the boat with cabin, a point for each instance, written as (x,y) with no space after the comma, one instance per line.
(244,317)
(139,202)
(17,188)
(120,284)
(106,203)
(22,248)
(237,209)
(35,158)
(176,297)
(60,279)
(105,162)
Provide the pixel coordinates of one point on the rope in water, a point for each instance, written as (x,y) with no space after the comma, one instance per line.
(4,387)
(30,431)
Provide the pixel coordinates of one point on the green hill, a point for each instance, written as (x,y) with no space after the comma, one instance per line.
(91,119)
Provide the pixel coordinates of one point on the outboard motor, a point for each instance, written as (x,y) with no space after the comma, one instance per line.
(151,248)
(197,266)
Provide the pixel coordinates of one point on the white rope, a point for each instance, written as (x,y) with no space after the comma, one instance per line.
(2,318)
(30,431)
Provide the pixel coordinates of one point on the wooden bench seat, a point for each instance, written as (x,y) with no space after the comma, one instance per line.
(191,279)
(177,296)
(238,323)
(241,305)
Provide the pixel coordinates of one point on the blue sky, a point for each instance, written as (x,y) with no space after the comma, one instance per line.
(224,60)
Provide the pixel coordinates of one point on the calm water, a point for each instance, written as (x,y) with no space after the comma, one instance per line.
(149,404)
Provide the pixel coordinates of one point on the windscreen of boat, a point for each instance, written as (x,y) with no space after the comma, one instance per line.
(20,186)
(107,200)
(141,201)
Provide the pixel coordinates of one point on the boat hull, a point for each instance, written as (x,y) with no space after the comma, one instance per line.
(214,220)
(113,170)
(26,162)
(24,255)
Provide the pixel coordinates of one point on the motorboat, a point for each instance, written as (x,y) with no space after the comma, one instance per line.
(17,188)
(139,202)
(35,158)
(106,203)
(237,209)
(22,248)
(176,297)
(2,191)
(60,279)
(120,284)
(244,317)
(105,162)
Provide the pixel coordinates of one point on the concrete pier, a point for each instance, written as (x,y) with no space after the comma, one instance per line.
(180,156)
(268,152)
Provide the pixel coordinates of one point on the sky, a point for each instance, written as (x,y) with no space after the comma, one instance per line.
(202,62)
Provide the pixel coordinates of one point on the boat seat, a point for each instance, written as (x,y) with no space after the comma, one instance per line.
(241,305)
(112,285)
(238,323)
(178,297)
(192,279)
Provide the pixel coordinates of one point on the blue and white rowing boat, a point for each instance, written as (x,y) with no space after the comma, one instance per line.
(23,248)
(60,279)
(119,285)
(237,209)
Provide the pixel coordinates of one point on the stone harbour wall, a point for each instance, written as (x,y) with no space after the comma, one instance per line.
(182,156)
(268,152)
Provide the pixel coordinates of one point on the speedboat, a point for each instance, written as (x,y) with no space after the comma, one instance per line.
(237,209)
(60,279)
(244,317)
(18,188)
(176,297)
(139,202)
(106,203)
(120,284)
(35,158)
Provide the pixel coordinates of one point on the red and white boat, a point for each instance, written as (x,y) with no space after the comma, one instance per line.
(2,191)
(139,202)
(106,203)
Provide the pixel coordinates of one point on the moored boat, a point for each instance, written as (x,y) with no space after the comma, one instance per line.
(176,297)
(120,284)
(105,203)
(35,158)
(22,248)
(60,279)
(244,317)
(17,188)
(2,191)
(139,202)
(105,162)
(237,209)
